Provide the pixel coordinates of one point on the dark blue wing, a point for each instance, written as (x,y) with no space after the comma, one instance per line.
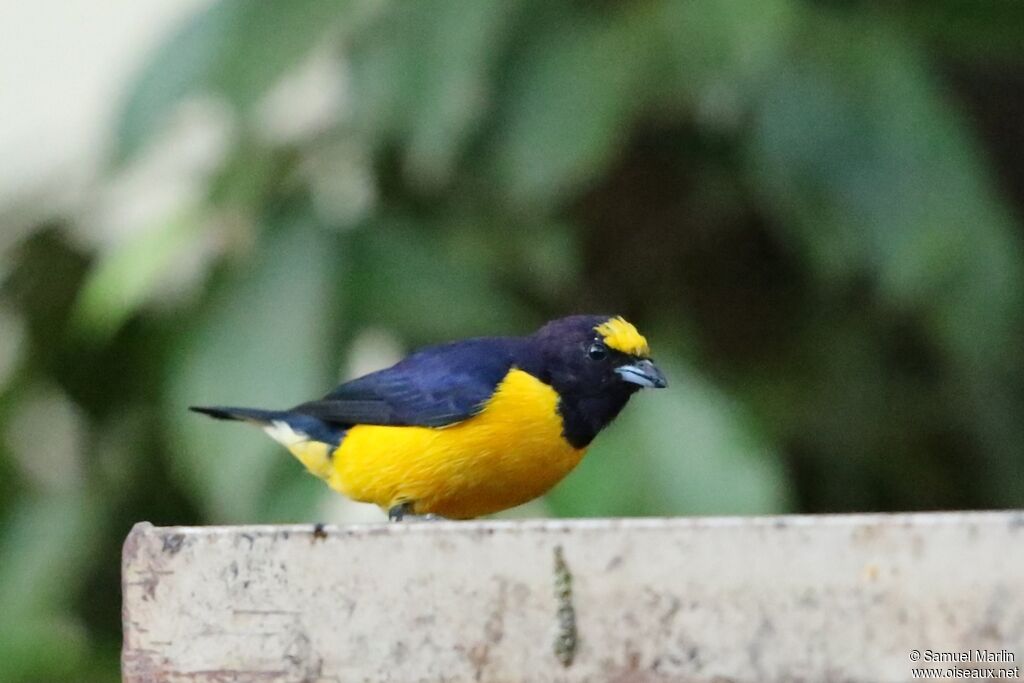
(434,387)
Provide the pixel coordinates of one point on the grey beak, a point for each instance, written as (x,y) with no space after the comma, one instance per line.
(643,372)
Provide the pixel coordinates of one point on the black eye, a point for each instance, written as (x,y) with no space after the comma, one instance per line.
(597,351)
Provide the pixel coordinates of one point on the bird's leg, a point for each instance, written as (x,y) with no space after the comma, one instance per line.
(396,513)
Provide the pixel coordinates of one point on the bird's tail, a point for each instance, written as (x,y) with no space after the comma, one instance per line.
(245,414)
(309,439)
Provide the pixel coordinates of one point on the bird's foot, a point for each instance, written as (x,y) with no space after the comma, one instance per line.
(403,513)
(396,513)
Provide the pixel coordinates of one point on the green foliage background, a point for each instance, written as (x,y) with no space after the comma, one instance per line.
(812,209)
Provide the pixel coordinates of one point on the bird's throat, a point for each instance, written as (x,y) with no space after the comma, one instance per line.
(584,416)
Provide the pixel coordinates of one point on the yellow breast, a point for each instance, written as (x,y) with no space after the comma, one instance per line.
(510,453)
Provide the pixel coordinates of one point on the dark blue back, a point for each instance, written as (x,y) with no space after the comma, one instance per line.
(434,387)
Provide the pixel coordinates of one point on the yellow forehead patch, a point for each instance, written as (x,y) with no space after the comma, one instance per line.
(620,335)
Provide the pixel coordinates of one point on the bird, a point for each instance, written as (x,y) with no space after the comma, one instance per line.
(467,428)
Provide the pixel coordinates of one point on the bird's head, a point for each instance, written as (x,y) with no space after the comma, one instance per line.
(588,355)
(595,363)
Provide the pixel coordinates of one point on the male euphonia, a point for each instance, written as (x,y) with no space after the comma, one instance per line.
(471,427)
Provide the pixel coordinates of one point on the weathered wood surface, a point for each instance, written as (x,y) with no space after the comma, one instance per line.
(822,598)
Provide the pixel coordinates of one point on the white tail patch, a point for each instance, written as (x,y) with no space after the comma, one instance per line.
(315,455)
(281,432)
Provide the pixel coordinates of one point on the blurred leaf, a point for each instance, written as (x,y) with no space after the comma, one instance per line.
(874,179)
(718,51)
(45,544)
(967,30)
(261,342)
(178,68)
(297,494)
(687,450)
(124,277)
(46,434)
(408,278)
(38,647)
(234,48)
(455,90)
(869,172)
(12,343)
(565,106)
(250,173)
(542,261)
(422,73)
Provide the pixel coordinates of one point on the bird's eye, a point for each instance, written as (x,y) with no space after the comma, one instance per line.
(597,351)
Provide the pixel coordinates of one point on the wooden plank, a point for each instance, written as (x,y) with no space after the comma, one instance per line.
(802,598)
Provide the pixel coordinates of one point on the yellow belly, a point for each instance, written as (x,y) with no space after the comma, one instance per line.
(510,453)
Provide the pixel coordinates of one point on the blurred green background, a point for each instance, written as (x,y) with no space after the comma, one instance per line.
(812,209)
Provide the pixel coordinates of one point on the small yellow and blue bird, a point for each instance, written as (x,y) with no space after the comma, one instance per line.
(471,427)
